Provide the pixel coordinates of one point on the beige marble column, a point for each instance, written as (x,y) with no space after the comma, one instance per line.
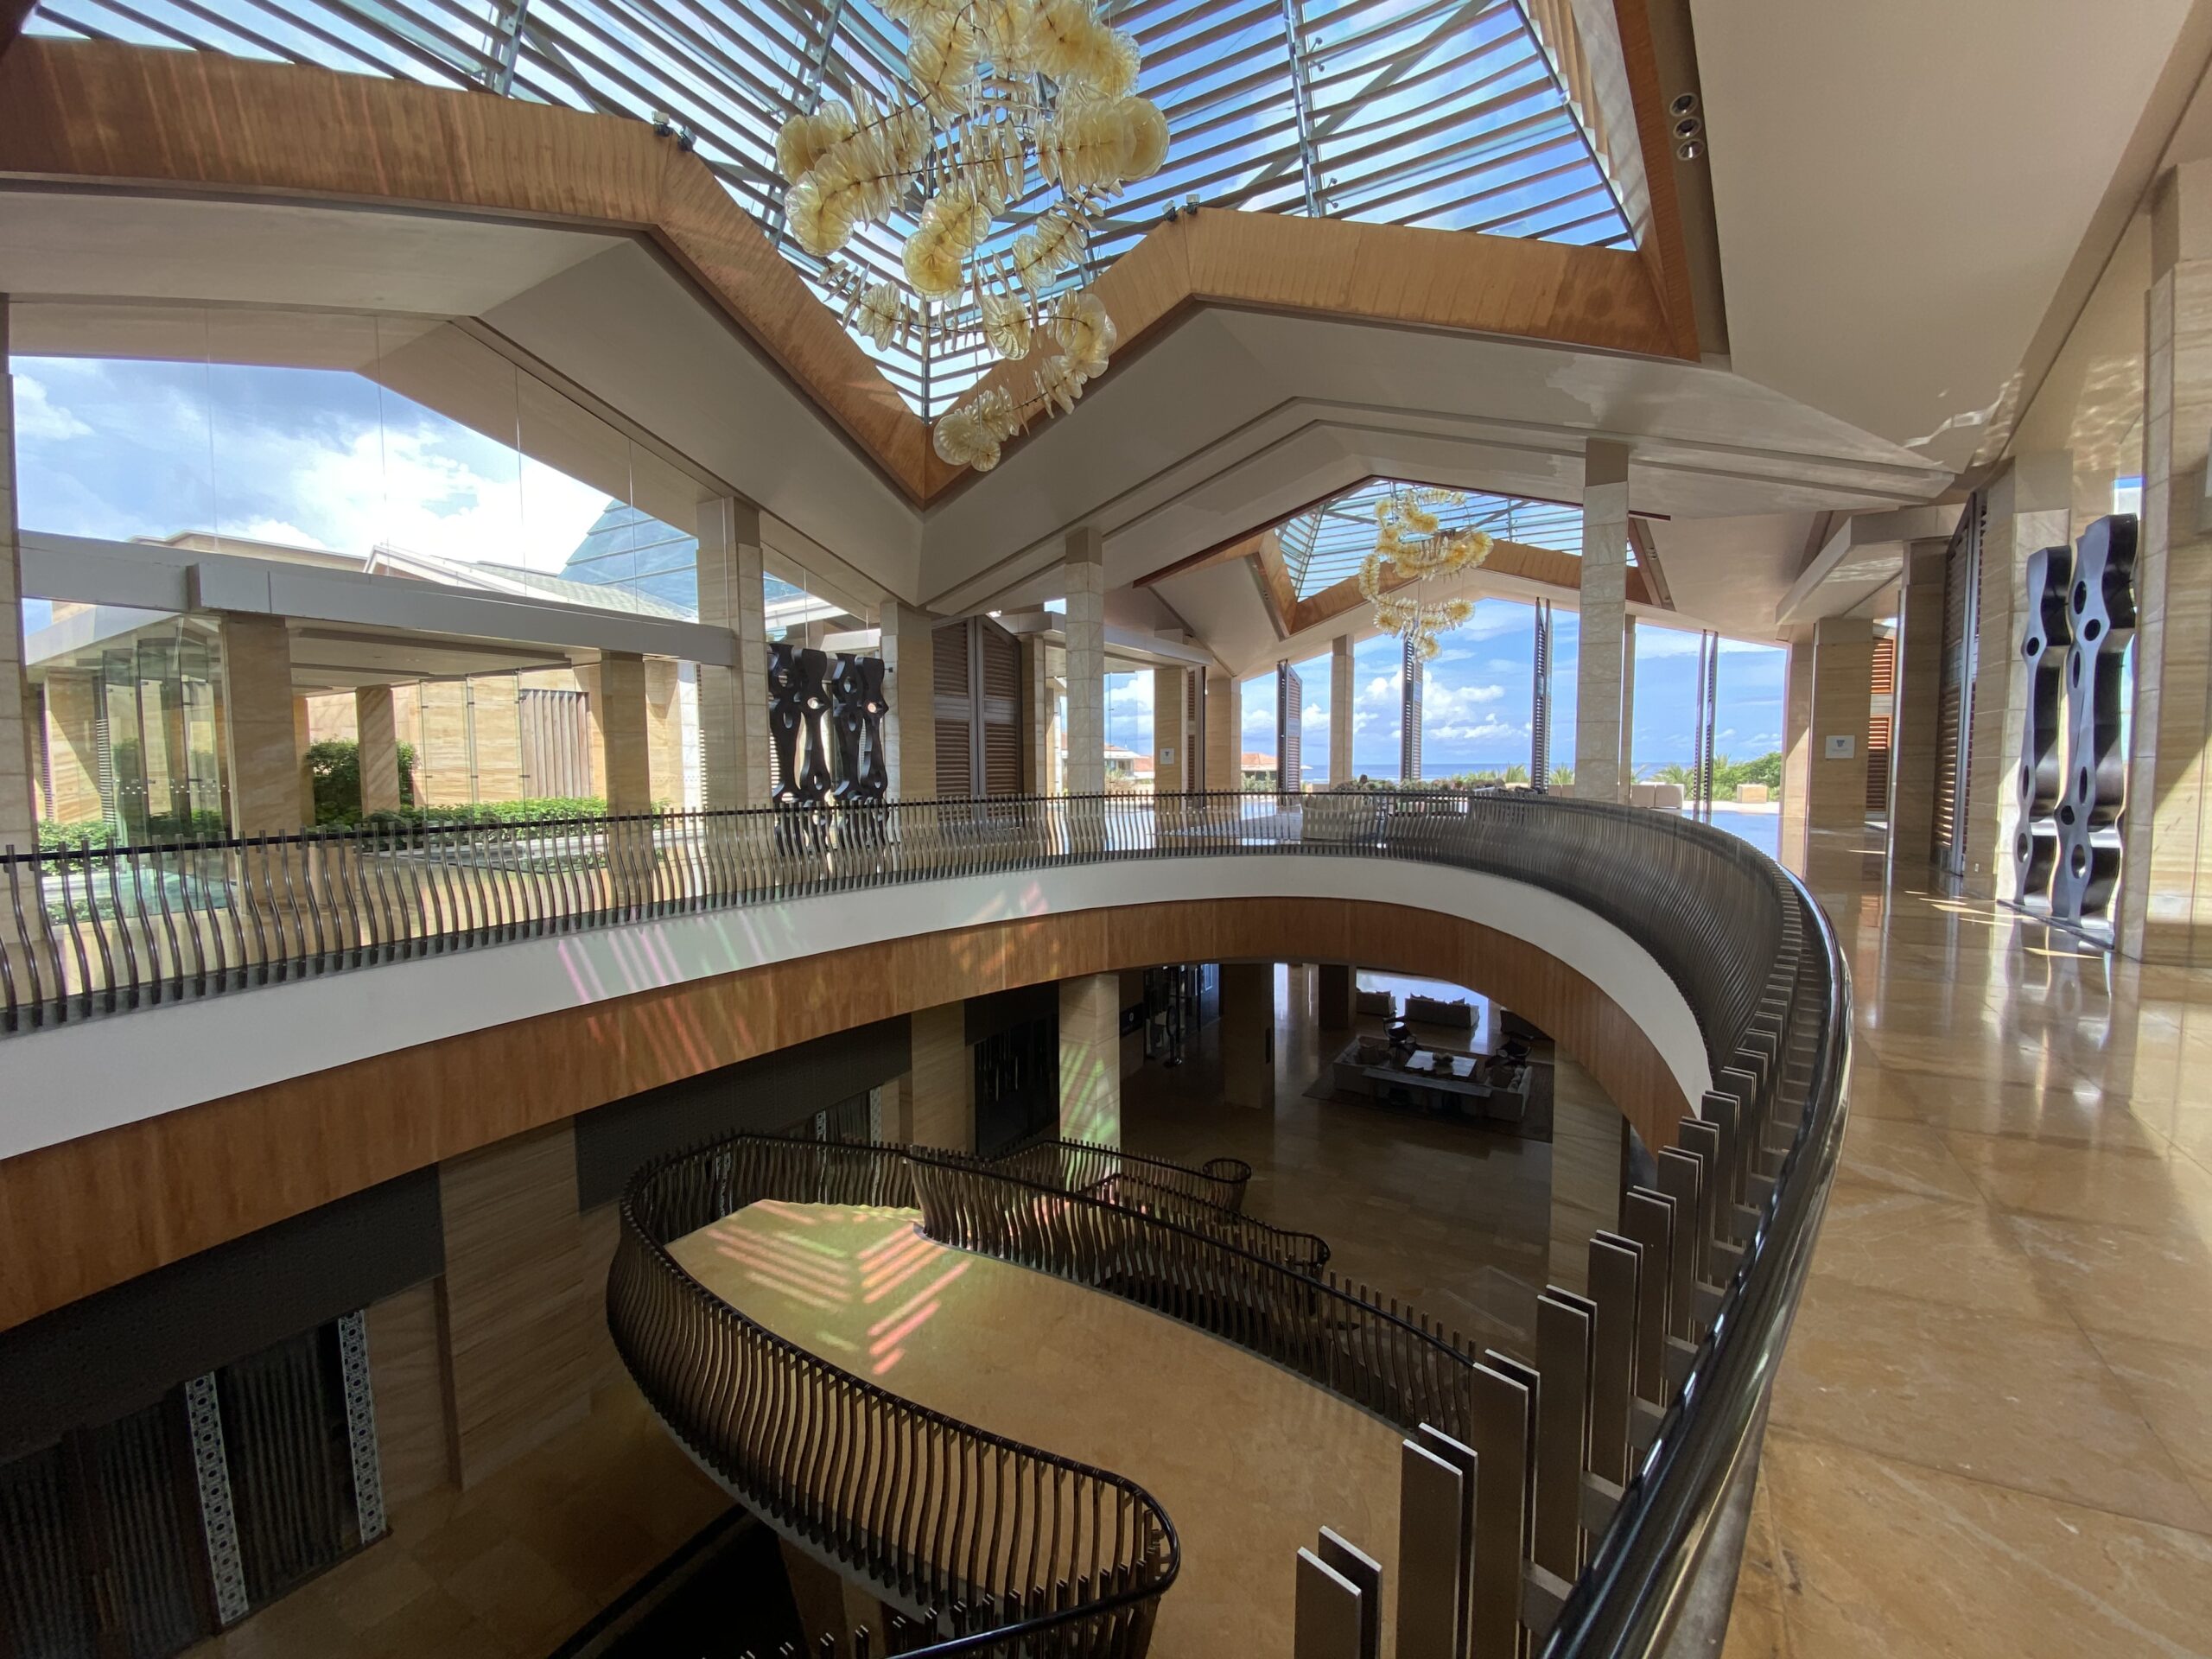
(615,691)
(910,744)
(1247,1034)
(1090,1059)
(1224,734)
(1843,679)
(2165,903)
(733,701)
(1914,711)
(1037,736)
(376,722)
(1086,636)
(2030,507)
(1796,750)
(17,812)
(266,756)
(302,739)
(73,747)
(1170,752)
(936,1101)
(1343,694)
(1599,669)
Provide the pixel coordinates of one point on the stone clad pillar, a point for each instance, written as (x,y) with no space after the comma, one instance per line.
(1224,734)
(1170,755)
(72,749)
(267,759)
(616,693)
(1796,751)
(1086,636)
(1843,682)
(1090,1059)
(733,701)
(937,1097)
(1914,709)
(1599,670)
(376,722)
(1344,692)
(1247,1034)
(1628,703)
(16,810)
(2166,899)
(910,730)
(2030,507)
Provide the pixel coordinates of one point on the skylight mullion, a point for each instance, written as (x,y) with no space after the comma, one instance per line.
(738,79)
(1401,152)
(1473,199)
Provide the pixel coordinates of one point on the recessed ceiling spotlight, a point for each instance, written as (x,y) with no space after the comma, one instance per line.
(1689,150)
(1688,127)
(1684,104)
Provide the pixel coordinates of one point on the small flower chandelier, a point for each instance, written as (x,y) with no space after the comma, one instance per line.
(994,88)
(1410,541)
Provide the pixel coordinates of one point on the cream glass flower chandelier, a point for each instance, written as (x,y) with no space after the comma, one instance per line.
(997,92)
(1411,542)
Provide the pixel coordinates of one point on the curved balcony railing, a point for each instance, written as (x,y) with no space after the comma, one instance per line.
(1080,1166)
(993,1548)
(95,931)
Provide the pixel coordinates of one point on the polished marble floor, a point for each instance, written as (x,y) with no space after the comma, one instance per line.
(1455,1218)
(1246,1459)
(1992,1431)
(511,1568)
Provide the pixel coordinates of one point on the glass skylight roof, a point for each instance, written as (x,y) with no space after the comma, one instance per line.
(1439,113)
(1326,544)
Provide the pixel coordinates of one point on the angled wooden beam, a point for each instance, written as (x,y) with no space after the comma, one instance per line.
(101,112)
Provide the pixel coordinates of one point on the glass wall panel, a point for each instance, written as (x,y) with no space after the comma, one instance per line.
(1129,729)
(1477,697)
(1377,698)
(1256,762)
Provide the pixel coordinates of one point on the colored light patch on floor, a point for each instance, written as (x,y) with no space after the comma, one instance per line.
(1248,1459)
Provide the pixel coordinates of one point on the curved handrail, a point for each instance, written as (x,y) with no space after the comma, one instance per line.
(1004,1548)
(1074,1165)
(1308,1253)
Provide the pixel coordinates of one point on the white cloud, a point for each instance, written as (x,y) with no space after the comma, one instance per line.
(274,530)
(37,416)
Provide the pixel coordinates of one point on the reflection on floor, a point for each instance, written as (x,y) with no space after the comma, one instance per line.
(1992,1434)
(509,1567)
(1246,1459)
(1454,1218)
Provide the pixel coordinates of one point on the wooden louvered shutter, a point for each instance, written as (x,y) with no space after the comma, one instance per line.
(1878,725)
(952,665)
(999,657)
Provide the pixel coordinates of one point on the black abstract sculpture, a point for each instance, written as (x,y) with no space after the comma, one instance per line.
(2080,618)
(2102,604)
(2041,779)
(796,693)
(857,709)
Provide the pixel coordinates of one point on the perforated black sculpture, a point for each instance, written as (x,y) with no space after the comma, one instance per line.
(798,705)
(856,711)
(2081,615)
(2044,641)
(2102,607)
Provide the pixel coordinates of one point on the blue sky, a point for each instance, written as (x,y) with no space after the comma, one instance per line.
(1476,698)
(313,457)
